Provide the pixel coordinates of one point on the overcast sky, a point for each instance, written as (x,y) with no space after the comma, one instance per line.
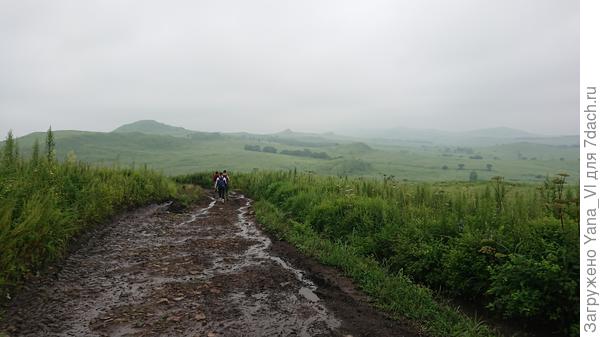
(309,65)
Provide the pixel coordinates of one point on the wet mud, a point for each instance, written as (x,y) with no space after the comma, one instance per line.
(207,271)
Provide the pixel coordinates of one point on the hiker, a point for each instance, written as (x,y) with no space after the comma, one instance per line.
(227,182)
(221,186)
(214,179)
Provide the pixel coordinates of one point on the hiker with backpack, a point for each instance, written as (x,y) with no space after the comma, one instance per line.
(227,182)
(214,179)
(221,185)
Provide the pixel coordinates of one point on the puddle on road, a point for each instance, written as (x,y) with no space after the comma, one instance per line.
(258,254)
(308,294)
(199,213)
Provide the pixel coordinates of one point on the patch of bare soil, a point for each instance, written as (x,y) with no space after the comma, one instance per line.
(207,271)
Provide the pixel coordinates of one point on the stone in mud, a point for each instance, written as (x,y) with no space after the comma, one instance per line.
(174,319)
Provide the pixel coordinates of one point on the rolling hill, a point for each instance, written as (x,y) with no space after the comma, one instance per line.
(176,150)
(152,127)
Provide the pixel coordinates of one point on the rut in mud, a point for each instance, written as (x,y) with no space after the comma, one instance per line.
(206,272)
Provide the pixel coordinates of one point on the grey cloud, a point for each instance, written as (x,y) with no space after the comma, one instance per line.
(310,65)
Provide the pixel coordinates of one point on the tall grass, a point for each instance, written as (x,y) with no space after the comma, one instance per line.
(512,248)
(44,203)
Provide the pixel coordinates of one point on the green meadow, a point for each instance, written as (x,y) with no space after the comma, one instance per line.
(176,151)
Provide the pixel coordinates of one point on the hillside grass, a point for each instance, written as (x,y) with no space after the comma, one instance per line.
(350,157)
(44,204)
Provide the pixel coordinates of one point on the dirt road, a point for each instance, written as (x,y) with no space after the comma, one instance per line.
(208,271)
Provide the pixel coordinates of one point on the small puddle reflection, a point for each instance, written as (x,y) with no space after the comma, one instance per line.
(201,212)
(308,294)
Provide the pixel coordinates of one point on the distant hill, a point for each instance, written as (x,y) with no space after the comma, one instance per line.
(500,132)
(479,137)
(354,148)
(152,127)
(572,140)
(289,137)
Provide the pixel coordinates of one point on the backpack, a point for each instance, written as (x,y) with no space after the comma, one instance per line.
(221,182)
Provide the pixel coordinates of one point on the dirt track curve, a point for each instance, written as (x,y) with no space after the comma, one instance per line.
(209,271)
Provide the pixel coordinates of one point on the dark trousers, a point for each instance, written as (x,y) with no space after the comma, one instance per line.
(221,192)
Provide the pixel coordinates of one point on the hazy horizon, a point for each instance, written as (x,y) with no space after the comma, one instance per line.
(312,66)
(340,132)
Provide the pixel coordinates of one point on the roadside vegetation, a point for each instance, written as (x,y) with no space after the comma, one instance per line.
(512,248)
(44,204)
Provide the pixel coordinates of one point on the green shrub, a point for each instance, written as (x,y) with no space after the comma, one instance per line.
(340,217)
(540,280)
(466,263)
(417,257)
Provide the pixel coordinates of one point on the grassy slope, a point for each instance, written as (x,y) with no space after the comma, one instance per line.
(44,204)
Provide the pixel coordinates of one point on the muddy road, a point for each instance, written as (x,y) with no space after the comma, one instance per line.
(208,271)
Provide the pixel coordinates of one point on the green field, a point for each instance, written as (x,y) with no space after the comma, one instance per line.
(178,151)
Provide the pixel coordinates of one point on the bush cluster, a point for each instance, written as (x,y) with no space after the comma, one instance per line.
(298,153)
(306,153)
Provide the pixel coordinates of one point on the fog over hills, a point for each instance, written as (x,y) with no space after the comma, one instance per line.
(479,137)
